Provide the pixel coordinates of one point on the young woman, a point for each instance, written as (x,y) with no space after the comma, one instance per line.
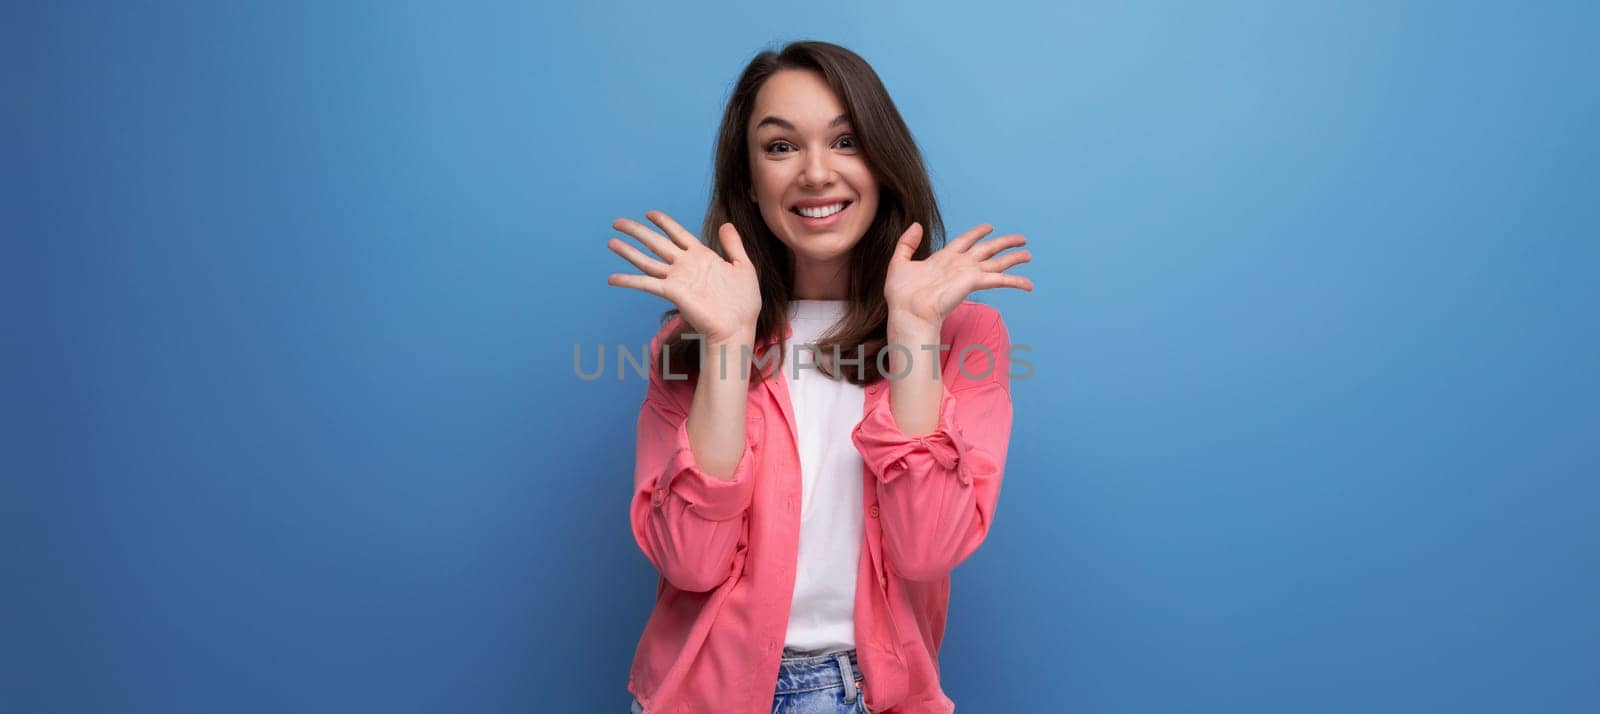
(805,507)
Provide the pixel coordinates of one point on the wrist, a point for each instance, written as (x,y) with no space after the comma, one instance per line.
(728,357)
(744,333)
(900,320)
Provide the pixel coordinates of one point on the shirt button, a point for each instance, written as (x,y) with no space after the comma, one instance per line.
(873,511)
(658,497)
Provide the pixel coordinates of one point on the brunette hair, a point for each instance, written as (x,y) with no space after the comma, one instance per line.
(905,194)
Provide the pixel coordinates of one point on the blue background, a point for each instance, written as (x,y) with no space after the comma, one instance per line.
(291,295)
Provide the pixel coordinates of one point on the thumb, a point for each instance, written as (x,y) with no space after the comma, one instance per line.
(732,244)
(909,240)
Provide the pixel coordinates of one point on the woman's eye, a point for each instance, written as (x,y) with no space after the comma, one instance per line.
(778,147)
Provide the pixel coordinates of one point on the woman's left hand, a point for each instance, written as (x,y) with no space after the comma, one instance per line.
(928,290)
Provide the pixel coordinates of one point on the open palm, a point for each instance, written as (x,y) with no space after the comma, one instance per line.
(930,289)
(720,298)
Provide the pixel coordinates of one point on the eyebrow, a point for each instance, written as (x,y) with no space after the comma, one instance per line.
(780,121)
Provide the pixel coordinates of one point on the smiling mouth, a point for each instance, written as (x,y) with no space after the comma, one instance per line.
(821,211)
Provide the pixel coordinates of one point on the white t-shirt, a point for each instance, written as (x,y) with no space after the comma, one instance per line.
(821,616)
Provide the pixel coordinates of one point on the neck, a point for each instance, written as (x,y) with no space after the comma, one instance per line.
(821,281)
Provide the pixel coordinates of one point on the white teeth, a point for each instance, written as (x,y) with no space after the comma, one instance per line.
(820,211)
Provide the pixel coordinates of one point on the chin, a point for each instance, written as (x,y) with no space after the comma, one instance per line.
(817,251)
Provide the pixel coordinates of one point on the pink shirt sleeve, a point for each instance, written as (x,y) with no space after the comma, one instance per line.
(687,522)
(937,492)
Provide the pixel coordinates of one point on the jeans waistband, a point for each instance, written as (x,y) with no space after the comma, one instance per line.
(806,672)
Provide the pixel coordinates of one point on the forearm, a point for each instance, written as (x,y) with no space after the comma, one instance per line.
(915,391)
(716,421)
(938,481)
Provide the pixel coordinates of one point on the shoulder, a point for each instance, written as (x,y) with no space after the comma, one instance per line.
(974,322)
(979,348)
(667,374)
(664,332)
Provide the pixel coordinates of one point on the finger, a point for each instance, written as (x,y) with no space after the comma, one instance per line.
(909,240)
(965,240)
(995,265)
(654,286)
(1002,280)
(650,266)
(683,238)
(988,248)
(653,240)
(732,243)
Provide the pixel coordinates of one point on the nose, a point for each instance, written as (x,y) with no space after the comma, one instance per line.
(818,169)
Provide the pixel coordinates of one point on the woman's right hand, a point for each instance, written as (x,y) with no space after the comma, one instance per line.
(720,299)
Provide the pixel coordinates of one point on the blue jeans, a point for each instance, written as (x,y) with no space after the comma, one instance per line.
(815,684)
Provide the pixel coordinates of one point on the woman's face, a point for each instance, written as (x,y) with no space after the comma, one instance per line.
(804,157)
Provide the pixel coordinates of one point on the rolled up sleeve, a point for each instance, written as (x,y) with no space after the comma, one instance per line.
(701,495)
(688,523)
(937,492)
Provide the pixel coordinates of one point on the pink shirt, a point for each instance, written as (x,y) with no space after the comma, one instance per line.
(726,550)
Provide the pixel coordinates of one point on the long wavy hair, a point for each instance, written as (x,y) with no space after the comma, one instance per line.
(905,194)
